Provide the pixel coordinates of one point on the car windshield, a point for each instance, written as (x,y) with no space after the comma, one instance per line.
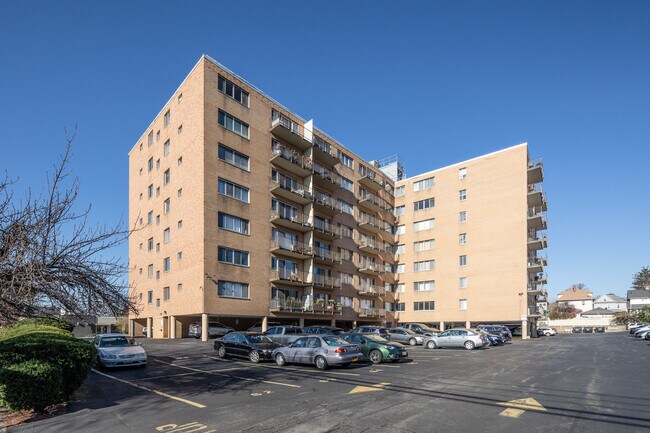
(114,342)
(258,339)
(377,338)
(334,341)
(408,331)
(428,328)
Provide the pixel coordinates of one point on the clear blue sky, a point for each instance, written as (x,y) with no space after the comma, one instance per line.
(570,78)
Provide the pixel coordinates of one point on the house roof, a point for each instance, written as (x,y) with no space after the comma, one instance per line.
(574,294)
(636,294)
(613,297)
(599,312)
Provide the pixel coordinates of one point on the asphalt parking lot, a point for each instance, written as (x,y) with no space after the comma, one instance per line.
(568,383)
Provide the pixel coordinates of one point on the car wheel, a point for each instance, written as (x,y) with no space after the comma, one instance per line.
(469,345)
(431,344)
(321,363)
(375,356)
(254,356)
(413,342)
(222,352)
(280,360)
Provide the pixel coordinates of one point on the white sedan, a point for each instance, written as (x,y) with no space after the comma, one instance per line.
(118,350)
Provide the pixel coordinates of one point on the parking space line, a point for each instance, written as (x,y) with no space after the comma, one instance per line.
(276,367)
(144,388)
(165,376)
(216,373)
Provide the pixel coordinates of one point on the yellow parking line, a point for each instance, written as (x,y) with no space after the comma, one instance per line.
(216,373)
(163,394)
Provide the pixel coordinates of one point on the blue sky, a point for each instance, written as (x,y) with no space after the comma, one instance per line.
(472,77)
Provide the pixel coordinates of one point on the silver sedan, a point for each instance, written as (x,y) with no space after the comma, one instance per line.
(321,351)
(405,336)
(117,350)
(467,338)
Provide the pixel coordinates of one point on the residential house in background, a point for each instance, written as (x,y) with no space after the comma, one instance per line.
(610,301)
(580,299)
(637,299)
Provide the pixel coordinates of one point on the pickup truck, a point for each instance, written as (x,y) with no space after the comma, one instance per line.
(284,335)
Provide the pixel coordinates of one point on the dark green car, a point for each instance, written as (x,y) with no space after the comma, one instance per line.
(375,348)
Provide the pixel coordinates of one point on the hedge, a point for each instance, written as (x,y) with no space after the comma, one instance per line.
(46,345)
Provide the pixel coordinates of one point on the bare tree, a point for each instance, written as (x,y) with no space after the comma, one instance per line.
(50,257)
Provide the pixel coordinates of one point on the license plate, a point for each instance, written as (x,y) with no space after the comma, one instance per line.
(355,359)
(404,353)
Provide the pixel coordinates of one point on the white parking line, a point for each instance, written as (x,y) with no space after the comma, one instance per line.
(277,367)
(166,376)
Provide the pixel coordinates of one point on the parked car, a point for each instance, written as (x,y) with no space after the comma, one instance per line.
(258,326)
(467,338)
(599,329)
(326,330)
(377,349)
(421,328)
(647,336)
(215,329)
(641,332)
(547,332)
(379,330)
(500,330)
(587,330)
(636,326)
(284,335)
(252,345)
(405,336)
(493,340)
(321,351)
(118,350)
(577,329)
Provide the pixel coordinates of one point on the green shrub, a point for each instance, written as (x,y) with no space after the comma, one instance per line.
(20,330)
(54,322)
(31,384)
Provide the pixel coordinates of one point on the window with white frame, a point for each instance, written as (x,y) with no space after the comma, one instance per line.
(399,191)
(150,244)
(345,301)
(425,245)
(462,282)
(462,173)
(233,124)
(347,184)
(346,160)
(150,164)
(345,254)
(150,297)
(424,204)
(400,269)
(165,293)
(232,223)
(167,118)
(400,249)
(424,286)
(167,264)
(463,260)
(150,217)
(428,224)
(462,304)
(233,190)
(167,147)
(166,177)
(401,229)
(166,235)
(231,289)
(150,191)
(400,306)
(400,210)
(150,139)
(462,194)
(423,184)
(166,206)
(401,288)
(150,271)
(346,207)
(462,238)
(462,216)
(424,265)
(233,157)
(424,306)
(346,278)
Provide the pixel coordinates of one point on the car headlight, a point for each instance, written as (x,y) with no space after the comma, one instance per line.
(107,356)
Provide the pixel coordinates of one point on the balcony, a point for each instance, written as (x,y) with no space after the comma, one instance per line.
(535,312)
(535,172)
(536,242)
(324,152)
(325,204)
(370,268)
(371,246)
(303,306)
(536,197)
(373,203)
(289,248)
(289,277)
(371,180)
(325,178)
(291,221)
(326,230)
(326,256)
(286,305)
(325,282)
(536,219)
(285,187)
(372,290)
(536,264)
(538,280)
(371,312)
(535,289)
(290,160)
(370,223)
(289,131)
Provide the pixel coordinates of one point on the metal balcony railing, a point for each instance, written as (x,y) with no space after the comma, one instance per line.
(326,227)
(324,146)
(371,312)
(290,275)
(372,289)
(371,243)
(289,184)
(326,174)
(291,245)
(329,255)
(373,199)
(325,281)
(364,218)
(290,154)
(326,200)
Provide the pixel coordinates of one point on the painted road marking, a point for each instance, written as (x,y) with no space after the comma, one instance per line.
(185,428)
(511,412)
(375,371)
(290,385)
(259,394)
(290,368)
(371,388)
(517,407)
(163,394)
(168,376)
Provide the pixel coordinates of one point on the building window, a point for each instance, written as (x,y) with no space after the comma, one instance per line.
(462,304)
(462,173)
(234,91)
(166,206)
(400,268)
(179,256)
(400,230)
(157,275)
(463,260)
(346,207)
(150,164)
(150,139)
(346,278)
(346,160)
(230,289)
(157,191)
(157,302)
(180,130)
(462,194)
(233,157)
(166,177)
(425,265)
(345,254)
(180,98)
(233,223)
(424,204)
(233,190)
(233,124)
(167,147)
(462,216)
(400,306)
(462,238)
(150,271)
(157,219)
(179,287)
(400,249)
(158,164)
(425,245)
(233,256)
(462,282)
(419,226)
(150,244)
(158,247)
(150,217)
(345,301)
(347,184)
(400,210)
(423,306)
(167,118)
(346,231)
(424,286)
(180,192)
(165,293)
(180,224)
(158,135)
(150,297)
(180,161)
(166,264)
(399,191)
(423,184)
(166,235)
(140,172)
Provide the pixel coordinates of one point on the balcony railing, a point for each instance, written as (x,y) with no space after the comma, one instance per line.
(372,289)
(535,171)
(327,228)
(327,201)
(374,201)
(325,152)
(371,312)
(326,174)
(289,131)
(304,305)
(537,261)
(534,311)
(370,267)
(365,219)
(290,245)
(291,217)
(288,184)
(326,282)
(291,155)
(289,275)
(327,255)
(370,244)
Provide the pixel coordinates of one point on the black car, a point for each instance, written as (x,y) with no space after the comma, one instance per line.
(599,329)
(587,330)
(577,330)
(251,345)
(322,330)
(500,330)
(379,330)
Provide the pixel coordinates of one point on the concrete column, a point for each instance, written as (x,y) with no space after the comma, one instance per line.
(131,328)
(333,323)
(524,330)
(442,326)
(354,324)
(204,327)
(172,327)
(467,324)
(149,327)
(301,323)
(265,324)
